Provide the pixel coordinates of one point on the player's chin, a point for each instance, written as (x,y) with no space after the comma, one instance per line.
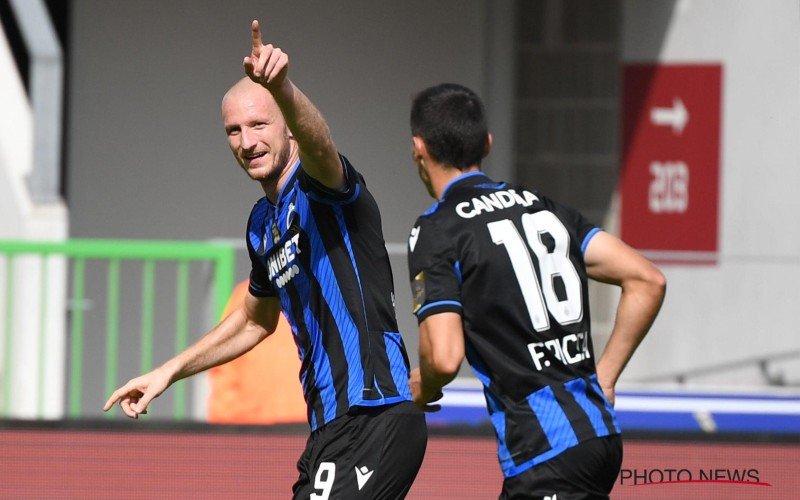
(258,172)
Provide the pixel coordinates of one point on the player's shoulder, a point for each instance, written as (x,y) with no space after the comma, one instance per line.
(259,210)
(429,231)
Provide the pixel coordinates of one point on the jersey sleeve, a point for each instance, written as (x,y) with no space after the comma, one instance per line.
(576,223)
(433,271)
(354,183)
(260,284)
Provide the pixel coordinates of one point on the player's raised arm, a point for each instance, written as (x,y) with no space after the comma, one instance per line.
(269,66)
(236,334)
(609,260)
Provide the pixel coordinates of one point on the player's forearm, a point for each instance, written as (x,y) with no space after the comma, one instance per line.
(305,121)
(234,336)
(438,366)
(638,306)
(441,351)
(433,379)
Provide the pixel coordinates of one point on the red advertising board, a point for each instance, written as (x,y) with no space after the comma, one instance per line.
(671,115)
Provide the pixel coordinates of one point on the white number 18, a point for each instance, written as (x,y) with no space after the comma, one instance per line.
(551,264)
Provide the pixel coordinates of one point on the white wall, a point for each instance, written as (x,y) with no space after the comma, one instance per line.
(746,305)
(33,332)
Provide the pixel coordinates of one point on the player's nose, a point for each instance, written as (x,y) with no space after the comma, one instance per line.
(248,139)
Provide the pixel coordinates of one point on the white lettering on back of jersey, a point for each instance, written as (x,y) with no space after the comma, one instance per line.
(561,349)
(498,200)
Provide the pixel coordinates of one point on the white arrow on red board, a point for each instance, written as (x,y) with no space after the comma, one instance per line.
(676,116)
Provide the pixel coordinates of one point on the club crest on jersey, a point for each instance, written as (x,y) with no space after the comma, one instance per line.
(276,235)
(291,214)
(498,200)
(418,291)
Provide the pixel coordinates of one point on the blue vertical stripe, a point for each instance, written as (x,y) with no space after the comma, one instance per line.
(397,363)
(458,272)
(322,369)
(345,324)
(554,422)
(577,388)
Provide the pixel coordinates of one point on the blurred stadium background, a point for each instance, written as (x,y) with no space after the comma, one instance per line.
(674,123)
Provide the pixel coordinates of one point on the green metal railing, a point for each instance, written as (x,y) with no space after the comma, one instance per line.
(79,251)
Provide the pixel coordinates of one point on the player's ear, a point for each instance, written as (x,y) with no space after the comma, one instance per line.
(420,150)
(488,146)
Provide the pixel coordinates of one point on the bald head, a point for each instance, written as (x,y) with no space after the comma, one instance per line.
(246,96)
(245,89)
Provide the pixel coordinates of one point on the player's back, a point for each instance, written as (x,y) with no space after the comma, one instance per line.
(510,260)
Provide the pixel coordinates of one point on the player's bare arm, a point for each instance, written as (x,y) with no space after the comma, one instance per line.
(239,332)
(441,351)
(269,66)
(609,260)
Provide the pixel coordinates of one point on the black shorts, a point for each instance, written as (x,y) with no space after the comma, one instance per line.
(585,471)
(370,453)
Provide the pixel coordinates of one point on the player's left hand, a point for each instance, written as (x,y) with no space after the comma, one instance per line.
(266,65)
(607,387)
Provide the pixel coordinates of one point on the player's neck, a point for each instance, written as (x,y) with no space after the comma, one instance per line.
(442,176)
(273,188)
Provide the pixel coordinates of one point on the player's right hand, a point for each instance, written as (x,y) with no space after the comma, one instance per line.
(423,401)
(266,65)
(135,396)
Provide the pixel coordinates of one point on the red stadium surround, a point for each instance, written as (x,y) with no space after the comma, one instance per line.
(58,463)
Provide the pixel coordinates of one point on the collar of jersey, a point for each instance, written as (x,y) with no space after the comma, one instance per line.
(461,177)
(288,186)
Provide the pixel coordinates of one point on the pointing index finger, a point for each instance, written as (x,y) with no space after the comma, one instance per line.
(256,32)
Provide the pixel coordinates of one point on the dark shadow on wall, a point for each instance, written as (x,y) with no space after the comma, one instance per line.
(568,93)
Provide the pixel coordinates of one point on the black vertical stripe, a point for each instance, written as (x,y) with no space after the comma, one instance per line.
(581,424)
(383,370)
(600,404)
(525,438)
(363,222)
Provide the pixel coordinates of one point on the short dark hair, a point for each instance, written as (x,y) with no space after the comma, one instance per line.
(451,120)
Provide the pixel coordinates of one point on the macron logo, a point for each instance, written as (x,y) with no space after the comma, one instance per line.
(412,240)
(362,476)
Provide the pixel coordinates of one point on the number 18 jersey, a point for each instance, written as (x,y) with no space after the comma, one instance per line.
(510,262)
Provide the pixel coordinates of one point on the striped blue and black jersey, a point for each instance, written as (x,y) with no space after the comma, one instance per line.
(510,262)
(322,254)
